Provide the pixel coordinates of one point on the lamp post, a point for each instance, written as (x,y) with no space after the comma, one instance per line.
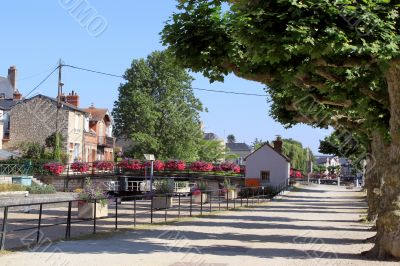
(151,158)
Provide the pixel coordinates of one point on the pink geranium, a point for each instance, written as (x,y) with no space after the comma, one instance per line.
(157,165)
(54,167)
(80,167)
(103,165)
(201,166)
(129,164)
(175,165)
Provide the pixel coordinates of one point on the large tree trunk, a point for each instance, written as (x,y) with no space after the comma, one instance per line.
(374,173)
(388,223)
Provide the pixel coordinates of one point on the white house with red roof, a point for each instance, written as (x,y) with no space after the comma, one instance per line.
(267,165)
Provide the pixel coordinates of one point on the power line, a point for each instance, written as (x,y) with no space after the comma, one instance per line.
(40,83)
(232,92)
(209,90)
(94,71)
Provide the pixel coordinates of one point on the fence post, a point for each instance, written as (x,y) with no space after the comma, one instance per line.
(219,200)
(134,212)
(210,202)
(116,213)
(166,207)
(151,210)
(179,205)
(94,217)
(227,201)
(68,229)
(201,202)
(191,199)
(4,229)
(40,223)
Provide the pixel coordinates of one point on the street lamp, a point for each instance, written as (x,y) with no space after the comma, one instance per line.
(151,158)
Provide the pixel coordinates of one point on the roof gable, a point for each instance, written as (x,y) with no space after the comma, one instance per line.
(6,88)
(270,147)
(65,106)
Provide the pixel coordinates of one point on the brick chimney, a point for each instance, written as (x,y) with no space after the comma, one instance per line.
(12,76)
(278,144)
(17,95)
(72,98)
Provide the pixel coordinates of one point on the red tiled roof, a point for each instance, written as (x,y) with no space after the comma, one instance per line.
(97,113)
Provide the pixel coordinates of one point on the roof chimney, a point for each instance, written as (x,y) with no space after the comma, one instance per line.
(17,95)
(72,98)
(278,144)
(12,76)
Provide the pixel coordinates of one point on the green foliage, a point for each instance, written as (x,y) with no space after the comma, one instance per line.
(228,185)
(299,156)
(231,138)
(257,143)
(44,189)
(163,186)
(319,168)
(55,141)
(32,150)
(201,185)
(157,110)
(211,150)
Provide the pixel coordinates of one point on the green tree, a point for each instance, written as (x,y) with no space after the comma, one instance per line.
(157,110)
(319,168)
(257,143)
(326,63)
(231,138)
(54,141)
(299,156)
(211,150)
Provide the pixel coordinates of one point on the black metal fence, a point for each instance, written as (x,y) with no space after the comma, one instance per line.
(218,200)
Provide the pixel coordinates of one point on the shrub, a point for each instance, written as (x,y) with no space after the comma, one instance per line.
(201,166)
(12,187)
(92,192)
(175,165)
(44,189)
(163,186)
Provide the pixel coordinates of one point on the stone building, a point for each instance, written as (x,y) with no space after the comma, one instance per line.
(37,118)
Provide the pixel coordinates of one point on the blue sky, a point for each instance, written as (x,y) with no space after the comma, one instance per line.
(35,34)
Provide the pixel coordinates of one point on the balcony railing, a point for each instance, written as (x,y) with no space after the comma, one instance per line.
(105,141)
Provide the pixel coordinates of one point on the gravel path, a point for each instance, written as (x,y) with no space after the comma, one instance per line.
(314,225)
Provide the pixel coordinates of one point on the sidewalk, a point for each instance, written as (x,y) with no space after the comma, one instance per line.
(314,225)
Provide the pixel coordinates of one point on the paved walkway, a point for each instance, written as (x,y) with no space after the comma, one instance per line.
(309,226)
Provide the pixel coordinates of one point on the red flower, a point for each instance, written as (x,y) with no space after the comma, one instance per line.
(201,166)
(175,165)
(80,167)
(157,165)
(196,192)
(129,164)
(103,165)
(55,168)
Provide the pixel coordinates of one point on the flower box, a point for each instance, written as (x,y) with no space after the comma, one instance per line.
(86,210)
(163,202)
(200,198)
(231,194)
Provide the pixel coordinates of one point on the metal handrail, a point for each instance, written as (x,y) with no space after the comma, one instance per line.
(258,193)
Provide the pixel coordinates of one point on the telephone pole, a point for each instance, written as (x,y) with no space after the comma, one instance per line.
(57,154)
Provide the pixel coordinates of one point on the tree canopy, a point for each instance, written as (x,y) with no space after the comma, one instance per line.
(157,110)
(325,63)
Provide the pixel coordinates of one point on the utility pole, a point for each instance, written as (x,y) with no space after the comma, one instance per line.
(57,154)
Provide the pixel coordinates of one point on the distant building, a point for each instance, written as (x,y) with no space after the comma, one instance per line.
(267,165)
(214,137)
(240,150)
(9,97)
(327,160)
(98,139)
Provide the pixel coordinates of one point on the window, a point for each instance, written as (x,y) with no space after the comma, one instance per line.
(77,127)
(264,176)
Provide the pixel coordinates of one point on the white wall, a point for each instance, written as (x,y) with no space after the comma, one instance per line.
(267,159)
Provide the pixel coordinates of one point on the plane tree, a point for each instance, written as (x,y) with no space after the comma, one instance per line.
(324,63)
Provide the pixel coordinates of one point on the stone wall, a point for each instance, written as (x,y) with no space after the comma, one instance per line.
(35,120)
